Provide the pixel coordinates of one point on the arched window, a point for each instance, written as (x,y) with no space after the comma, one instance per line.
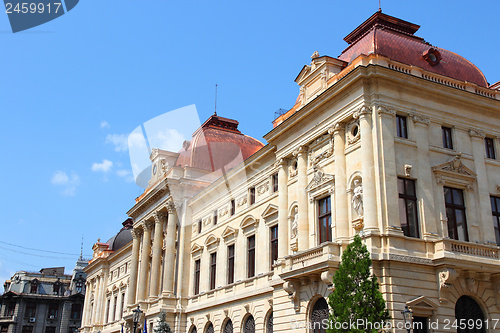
(228,328)
(249,326)
(193,329)
(269,324)
(467,309)
(318,314)
(210,328)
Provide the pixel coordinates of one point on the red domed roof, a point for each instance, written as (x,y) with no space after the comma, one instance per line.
(217,144)
(393,38)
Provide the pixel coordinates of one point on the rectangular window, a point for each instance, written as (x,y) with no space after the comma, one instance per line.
(495,210)
(252,195)
(123,305)
(76,311)
(420,324)
(274,244)
(108,303)
(274,178)
(113,313)
(53,308)
(5,328)
(11,309)
(402,128)
(197,277)
(325,220)
(233,207)
(251,257)
(408,207)
(50,329)
(27,329)
(447,140)
(490,148)
(230,264)
(199,226)
(215,217)
(30,310)
(455,212)
(34,287)
(213,270)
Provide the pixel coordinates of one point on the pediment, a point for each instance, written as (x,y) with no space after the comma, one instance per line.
(454,167)
(303,73)
(422,306)
(269,211)
(211,240)
(249,221)
(319,179)
(228,232)
(196,248)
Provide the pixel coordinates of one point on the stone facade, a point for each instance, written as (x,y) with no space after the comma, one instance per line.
(366,150)
(44,302)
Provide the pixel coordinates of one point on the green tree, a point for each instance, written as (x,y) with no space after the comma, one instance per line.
(356,297)
(161,324)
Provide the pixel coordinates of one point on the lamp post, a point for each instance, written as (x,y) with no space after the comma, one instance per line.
(136,317)
(408,318)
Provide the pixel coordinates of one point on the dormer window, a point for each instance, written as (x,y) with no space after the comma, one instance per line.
(34,286)
(432,56)
(56,288)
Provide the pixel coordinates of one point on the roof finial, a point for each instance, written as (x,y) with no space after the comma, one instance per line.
(81,250)
(215,111)
(379,6)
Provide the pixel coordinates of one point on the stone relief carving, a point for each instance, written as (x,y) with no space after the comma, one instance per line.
(223,211)
(241,201)
(263,188)
(421,120)
(408,170)
(292,168)
(446,277)
(164,166)
(477,133)
(294,225)
(207,221)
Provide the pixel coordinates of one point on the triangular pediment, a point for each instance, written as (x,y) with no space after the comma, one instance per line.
(303,73)
(211,240)
(320,178)
(454,167)
(228,232)
(196,248)
(422,306)
(269,211)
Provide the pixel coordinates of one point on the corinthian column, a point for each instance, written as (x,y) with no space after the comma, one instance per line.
(157,250)
(341,203)
(368,170)
(134,265)
(146,250)
(169,265)
(303,228)
(282,208)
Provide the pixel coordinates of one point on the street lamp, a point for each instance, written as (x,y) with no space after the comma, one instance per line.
(407,316)
(136,317)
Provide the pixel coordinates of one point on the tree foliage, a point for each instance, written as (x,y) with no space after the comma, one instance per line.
(356,297)
(161,324)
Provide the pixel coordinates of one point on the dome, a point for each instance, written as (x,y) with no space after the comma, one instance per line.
(122,238)
(217,144)
(394,38)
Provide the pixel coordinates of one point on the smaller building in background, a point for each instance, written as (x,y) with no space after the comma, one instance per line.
(45,302)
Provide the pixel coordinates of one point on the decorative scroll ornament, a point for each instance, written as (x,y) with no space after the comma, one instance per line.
(292,288)
(446,277)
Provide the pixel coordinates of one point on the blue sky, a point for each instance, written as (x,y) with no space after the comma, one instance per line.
(72,89)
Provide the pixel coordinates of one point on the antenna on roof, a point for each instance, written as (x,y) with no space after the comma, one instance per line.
(215,112)
(379,6)
(81,249)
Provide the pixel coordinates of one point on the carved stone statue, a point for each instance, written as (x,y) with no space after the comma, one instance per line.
(295,223)
(357,197)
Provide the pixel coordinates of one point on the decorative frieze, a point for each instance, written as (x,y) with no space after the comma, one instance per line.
(417,119)
(263,188)
(474,133)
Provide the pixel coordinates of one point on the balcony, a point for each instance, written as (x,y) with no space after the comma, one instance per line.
(449,248)
(7,319)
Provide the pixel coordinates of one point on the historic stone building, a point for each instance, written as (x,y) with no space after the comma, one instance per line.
(395,140)
(48,301)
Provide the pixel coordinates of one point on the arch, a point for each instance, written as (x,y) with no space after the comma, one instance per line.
(248,221)
(209,327)
(319,311)
(291,207)
(192,329)
(356,175)
(227,327)
(466,308)
(269,322)
(248,325)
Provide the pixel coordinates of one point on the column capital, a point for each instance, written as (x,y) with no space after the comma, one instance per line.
(364,111)
(421,120)
(338,128)
(475,133)
(171,207)
(159,217)
(281,163)
(383,110)
(147,225)
(301,150)
(136,233)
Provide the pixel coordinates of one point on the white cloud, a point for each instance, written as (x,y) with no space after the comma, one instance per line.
(125,174)
(105,166)
(68,183)
(104,124)
(170,140)
(120,141)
